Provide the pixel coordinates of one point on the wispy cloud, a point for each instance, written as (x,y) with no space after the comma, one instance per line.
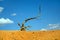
(5,21)
(14,14)
(1,9)
(54,26)
(43,29)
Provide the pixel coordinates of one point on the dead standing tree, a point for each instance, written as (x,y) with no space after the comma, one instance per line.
(23,27)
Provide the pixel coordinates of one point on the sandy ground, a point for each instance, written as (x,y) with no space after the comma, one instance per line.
(30,35)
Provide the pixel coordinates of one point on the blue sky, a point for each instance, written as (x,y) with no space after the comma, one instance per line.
(19,10)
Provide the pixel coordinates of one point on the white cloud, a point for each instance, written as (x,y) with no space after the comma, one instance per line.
(5,21)
(43,29)
(1,9)
(53,26)
(14,14)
